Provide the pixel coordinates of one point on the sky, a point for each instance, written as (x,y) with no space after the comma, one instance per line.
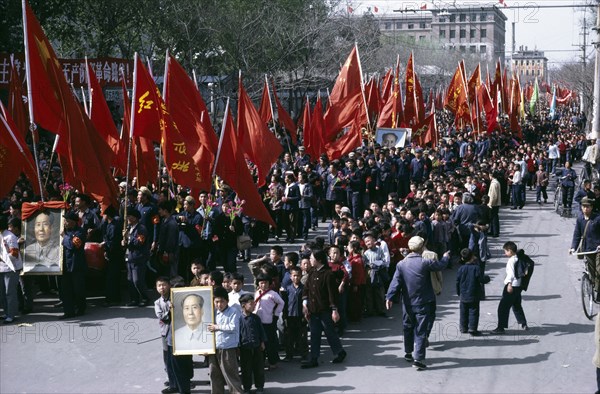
(553,30)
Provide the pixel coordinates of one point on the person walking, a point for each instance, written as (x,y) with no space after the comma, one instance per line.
(412,280)
(319,304)
(511,295)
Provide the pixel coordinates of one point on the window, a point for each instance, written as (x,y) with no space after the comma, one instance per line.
(421,38)
(398,25)
(473,49)
(463,33)
(483,17)
(442,33)
(411,26)
(527,72)
(472,33)
(442,19)
(483,49)
(462,18)
(452,33)
(538,73)
(462,48)
(452,18)
(421,25)
(483,33)
(388,26)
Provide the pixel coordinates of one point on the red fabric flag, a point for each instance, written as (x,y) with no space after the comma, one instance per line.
(410,107)
(387,86)
(265,110)
(176,153)
(491,110)
(56,109)
(474,84)
(15,157)
(505,93)
(496,84)
(345,97)
(103,122)
(314,143)
(426,132)
(16,106)
(259,144)
(515,102)
(232,168)
(392,114)
(457,93)
(142,162)
(373,98)
(423,6)
(146,113)
(349,141)
(419,101)
(284,118)
(189,112)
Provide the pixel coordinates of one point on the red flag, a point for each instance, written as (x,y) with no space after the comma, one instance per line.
(344,98)
(515,102)
(102,120)
(426,132)
(457,92)
(491,110)
(232,168)
(189,112)
(410,108)
(146,105)
(392,114)
(373,98)
(474,84)
(387,86)
(266,108)
(259,144)
(56,109)
(313,142)
(16,106)
(14,155)
(419,101)
(284,118)
(349,141)
(423,6)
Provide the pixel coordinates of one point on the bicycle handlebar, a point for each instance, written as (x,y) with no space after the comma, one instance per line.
(584,253)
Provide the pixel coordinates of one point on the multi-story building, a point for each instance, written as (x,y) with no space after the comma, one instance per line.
(530,64)
(478,30)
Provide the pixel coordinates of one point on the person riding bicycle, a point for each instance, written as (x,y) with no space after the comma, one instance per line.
(586,238)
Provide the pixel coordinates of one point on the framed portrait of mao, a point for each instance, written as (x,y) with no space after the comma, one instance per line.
(192,312)
(42,251)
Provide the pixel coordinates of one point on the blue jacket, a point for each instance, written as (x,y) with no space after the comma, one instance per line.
(592,234)
(74,250)
(468,282)
(138,245)
(412,279)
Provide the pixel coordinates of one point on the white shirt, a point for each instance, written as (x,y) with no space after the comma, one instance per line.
(516,178)
(510,273)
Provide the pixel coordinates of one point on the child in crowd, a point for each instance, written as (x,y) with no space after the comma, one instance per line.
(215,279)
(269,306)
(290,260)
(468,287)
(252,346)
(179,368)
(237,288)
(197,269)
(223,365)
(227,281)
(295,326)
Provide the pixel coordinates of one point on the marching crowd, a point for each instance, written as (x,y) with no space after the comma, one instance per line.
(389,219)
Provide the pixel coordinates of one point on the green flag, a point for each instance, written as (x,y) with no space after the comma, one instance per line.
(534,98)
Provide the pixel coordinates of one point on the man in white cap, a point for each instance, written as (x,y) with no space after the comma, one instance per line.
(412,280)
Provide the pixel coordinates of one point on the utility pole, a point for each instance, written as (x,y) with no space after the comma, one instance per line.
(584,64)
(595,133)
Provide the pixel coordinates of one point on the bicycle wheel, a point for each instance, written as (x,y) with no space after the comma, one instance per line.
(582,176)
(587,297)
(557,198)
(595,175)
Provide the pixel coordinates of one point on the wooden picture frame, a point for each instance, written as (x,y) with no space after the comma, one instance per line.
(42,251)
(192,312)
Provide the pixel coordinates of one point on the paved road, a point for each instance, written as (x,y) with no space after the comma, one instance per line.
(116,350)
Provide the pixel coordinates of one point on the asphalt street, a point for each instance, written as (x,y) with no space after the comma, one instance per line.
(117,350)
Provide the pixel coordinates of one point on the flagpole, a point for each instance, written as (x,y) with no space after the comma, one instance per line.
(131,124)
(56,138)
(85,105)
(160,151)
(32,125)
(362,85)
(87,75)
(218,155)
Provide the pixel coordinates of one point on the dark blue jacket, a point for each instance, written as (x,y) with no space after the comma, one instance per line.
(412,279)
(73,250)
(292,198)
(468,282)
(592,235)
(112,234)
(138,245)
(189,229)
(252,332)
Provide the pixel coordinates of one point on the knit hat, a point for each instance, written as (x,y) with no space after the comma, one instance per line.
(416,243)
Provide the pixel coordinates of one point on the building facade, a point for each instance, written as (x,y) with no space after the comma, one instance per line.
(476,30)
(529,64)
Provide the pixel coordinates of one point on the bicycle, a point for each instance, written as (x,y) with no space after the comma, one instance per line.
(588,173)
(589,300)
